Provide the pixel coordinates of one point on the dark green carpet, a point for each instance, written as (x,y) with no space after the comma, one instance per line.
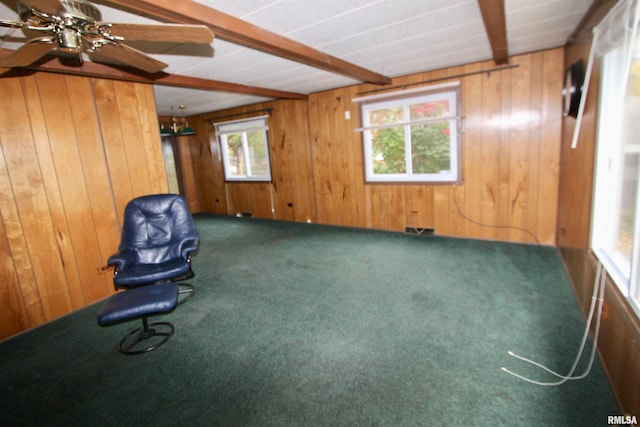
(306,325)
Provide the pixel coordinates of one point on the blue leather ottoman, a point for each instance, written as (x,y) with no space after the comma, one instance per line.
(140,303)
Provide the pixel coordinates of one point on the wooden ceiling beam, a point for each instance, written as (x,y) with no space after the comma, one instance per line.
(495,23)
(93,69)
(237,31)
(593,16)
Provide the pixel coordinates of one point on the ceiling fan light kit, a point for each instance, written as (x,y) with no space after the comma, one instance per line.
(73,27)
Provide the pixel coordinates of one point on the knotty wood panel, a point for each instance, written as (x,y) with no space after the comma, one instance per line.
(76,230)
(116,155)
(27,217)
(73,151)
(183,156)
(291,162)
(470,192)
(207,167)
(338,162)
(13,316)
(131,138)
(96,180)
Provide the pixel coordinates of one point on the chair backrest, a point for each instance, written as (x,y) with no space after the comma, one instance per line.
(155,227)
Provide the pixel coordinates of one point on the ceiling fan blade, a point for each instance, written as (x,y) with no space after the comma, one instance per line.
(51,7)
(28,54)
(122,54)
(11,24)
(163,32)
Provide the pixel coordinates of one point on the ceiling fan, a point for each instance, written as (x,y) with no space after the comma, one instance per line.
(73,27)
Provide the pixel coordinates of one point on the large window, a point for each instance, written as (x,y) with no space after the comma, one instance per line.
(616,225)
(245,149)
(412,136)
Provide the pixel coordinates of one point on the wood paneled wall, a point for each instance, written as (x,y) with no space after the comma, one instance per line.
(619,340)
(289,196)
(510,160)
(73,152)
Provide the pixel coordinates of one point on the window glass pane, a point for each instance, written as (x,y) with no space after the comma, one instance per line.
(430,109)
(631,166)
(627,211)
(627,200)
(235,155)
(386,116)
(170,166)
(431,147)
(258,153)
(245,149)
(388,151)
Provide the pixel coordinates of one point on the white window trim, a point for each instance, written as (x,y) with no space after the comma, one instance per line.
(609,157)
(243,126)
(450,91)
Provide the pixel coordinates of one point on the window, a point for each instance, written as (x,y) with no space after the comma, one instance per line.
(616,226)
(412,136)
(170,165)
(245,149)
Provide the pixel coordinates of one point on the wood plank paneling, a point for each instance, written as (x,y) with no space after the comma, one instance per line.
(81,255)
(443,203)
(100,203)
(36,111)
(68,145)
(492,156)
(116,154)
(183,157)
(520,138)
(290,195)
(13,316)
(148,130)
(549,154)
(509,161)
(28,221)
(471,191)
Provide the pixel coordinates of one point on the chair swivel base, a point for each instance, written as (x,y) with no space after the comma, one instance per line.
(185,289)
(146,338)
(140,303)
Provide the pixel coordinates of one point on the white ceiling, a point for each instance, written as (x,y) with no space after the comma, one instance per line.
(390,37)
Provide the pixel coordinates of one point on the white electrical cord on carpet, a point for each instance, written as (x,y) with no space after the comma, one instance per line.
(598,293)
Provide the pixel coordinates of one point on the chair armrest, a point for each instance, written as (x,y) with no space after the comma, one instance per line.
(121,259)
(188,246)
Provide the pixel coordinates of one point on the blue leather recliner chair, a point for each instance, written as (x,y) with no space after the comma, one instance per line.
(157,242)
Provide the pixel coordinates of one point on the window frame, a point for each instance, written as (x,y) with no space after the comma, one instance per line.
(404,99)
(611,151)
(243,127)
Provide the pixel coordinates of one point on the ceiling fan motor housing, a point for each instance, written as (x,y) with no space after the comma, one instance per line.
(68,22)
(78,11)
(69,40)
